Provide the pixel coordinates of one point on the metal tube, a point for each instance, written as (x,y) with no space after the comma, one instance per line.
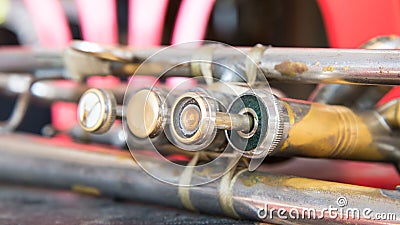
(390,112)
(258,124)
(290,127)
(337,94)
(371,97)
(20,108)
(43,63)
(115,136)
(358,66)
(309,65)
(242,194)
(238,122)
(48,91)
(329,132)
(357,97)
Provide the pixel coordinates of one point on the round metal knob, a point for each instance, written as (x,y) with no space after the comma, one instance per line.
(97,110)
(145,114)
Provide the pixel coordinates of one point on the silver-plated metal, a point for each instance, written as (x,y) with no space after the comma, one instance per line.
(41,63)
(137,124)
(308,65)
(102,51)
(354,96)
(115,174)
(19,109)
(203,129)
(97,110)
(146,113)
(114,136)
(48,90)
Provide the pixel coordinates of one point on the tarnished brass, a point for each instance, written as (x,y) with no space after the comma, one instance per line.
(288,127)
(328,132)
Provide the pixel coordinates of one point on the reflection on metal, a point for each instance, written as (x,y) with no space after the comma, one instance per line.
(316,130)
(41,63)
(357,97)
(114,136)
(49,163)
(230,114)
(49,90)
(341,66)
(18,113)
(286,127)
(196,119)
(97,110)
(146,113)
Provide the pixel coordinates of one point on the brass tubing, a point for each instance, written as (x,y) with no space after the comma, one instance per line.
(338,132)
(301,128)
(326,131)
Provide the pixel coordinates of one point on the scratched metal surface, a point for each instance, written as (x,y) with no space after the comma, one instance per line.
(23,206)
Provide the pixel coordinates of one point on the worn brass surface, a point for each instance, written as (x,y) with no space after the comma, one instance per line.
(331,132)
